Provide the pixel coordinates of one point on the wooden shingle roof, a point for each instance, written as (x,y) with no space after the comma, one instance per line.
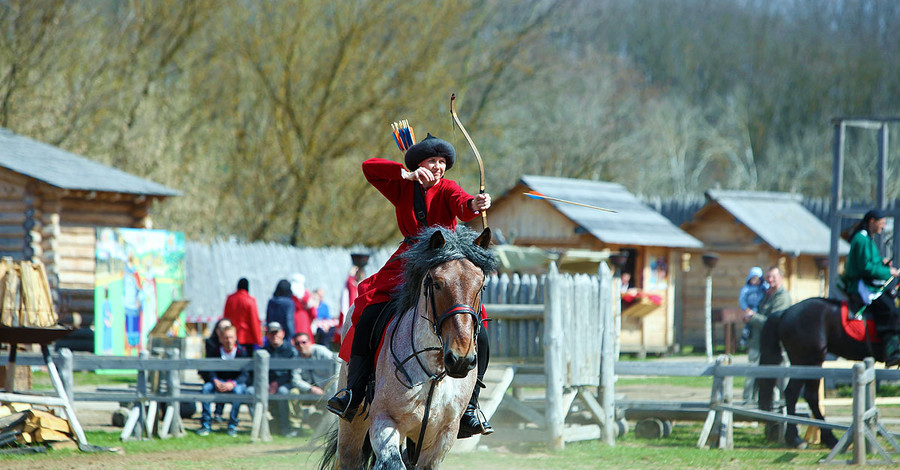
(66,170)
(633,223)
(779,219)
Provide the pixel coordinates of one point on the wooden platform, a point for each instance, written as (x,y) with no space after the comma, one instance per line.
(497,381)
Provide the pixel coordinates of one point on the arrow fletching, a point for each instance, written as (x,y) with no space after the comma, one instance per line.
(404,136)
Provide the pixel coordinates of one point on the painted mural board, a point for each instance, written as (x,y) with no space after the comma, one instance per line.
(138,274)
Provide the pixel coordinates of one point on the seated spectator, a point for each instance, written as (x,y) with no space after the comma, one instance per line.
(279,379)
(308,380)
(232,381)
(325,322)
(212,350)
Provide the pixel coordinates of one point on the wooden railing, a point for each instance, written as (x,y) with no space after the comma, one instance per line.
(158,380)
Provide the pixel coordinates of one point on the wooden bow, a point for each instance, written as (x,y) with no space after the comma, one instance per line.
(474,149)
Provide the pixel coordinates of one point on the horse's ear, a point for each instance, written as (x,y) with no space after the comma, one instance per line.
(437,240)
(484,240)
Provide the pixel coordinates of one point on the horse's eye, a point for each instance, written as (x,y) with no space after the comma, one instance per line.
(438,286)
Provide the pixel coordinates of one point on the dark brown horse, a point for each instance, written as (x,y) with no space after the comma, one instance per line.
(807,330)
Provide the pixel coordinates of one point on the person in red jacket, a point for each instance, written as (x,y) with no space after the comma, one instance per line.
(241,309)
(421,197)
(304,305)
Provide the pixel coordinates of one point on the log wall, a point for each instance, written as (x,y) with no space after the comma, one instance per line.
(57,227)
(739,249)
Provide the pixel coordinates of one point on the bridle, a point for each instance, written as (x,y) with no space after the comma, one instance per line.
(436,320)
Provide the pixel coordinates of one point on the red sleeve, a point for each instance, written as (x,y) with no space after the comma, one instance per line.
(255,328)
(385,176)
(458,201)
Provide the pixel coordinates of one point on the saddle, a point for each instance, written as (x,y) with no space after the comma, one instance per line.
(856,327)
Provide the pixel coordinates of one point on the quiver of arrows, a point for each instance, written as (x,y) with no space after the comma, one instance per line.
(404,135)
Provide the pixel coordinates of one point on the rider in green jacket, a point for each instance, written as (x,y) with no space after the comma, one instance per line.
(865,272)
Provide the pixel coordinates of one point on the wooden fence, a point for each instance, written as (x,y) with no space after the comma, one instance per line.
(149,393)
(561,329)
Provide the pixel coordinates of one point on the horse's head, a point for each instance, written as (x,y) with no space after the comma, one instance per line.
(451,282)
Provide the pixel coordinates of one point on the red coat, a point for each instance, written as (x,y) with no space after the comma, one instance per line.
(445,202)
(351,287)
(303,316)
(241,309)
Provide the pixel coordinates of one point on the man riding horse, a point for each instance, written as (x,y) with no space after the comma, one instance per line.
(421,197)
(865,275)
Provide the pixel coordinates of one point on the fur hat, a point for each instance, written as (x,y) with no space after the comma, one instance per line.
(429,147)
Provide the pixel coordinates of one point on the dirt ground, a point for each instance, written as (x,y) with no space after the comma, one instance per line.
(285,454)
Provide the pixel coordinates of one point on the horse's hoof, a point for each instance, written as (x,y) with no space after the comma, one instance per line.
(798,443)
(829,441)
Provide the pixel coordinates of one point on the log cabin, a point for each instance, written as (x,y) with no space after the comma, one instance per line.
(654,245)
(51,203)
(746,229)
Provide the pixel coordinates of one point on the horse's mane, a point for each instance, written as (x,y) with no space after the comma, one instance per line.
(420,258)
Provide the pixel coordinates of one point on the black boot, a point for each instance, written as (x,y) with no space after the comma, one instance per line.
(891,350)
(345,403)
(471,423)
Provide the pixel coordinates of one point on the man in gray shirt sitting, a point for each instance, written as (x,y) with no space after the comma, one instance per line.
(305,379)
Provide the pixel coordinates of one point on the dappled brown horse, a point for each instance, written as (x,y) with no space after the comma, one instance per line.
(425,371)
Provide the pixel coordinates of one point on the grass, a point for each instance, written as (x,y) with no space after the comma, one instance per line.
(219,451)
(884,390)
(40,380)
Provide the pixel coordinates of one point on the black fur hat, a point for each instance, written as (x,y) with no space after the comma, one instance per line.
(429,147)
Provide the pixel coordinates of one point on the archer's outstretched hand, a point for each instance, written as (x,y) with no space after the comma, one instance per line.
(482,202)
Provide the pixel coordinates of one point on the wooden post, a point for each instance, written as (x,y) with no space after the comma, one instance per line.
(142,394)
(726,436)
(859,409)
(608,300)
(708,316)
(870,402)
(66,373)
(172,424)
(712,425)
(553,338)
(260,427)
(11,368)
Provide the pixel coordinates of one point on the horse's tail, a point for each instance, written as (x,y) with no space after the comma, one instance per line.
(329,453)
(330,448)
(770,354)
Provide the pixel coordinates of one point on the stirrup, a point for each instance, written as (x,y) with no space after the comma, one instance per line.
(335,405)
(484,426)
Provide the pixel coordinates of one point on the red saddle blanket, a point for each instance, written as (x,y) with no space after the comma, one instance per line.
(856,328)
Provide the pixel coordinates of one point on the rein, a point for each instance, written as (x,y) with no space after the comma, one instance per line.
(436,322)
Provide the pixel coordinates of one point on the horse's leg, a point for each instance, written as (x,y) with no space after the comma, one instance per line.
(351,440)
(791,395)
(385,443)
(351,436)
(432,457)
(811,395)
